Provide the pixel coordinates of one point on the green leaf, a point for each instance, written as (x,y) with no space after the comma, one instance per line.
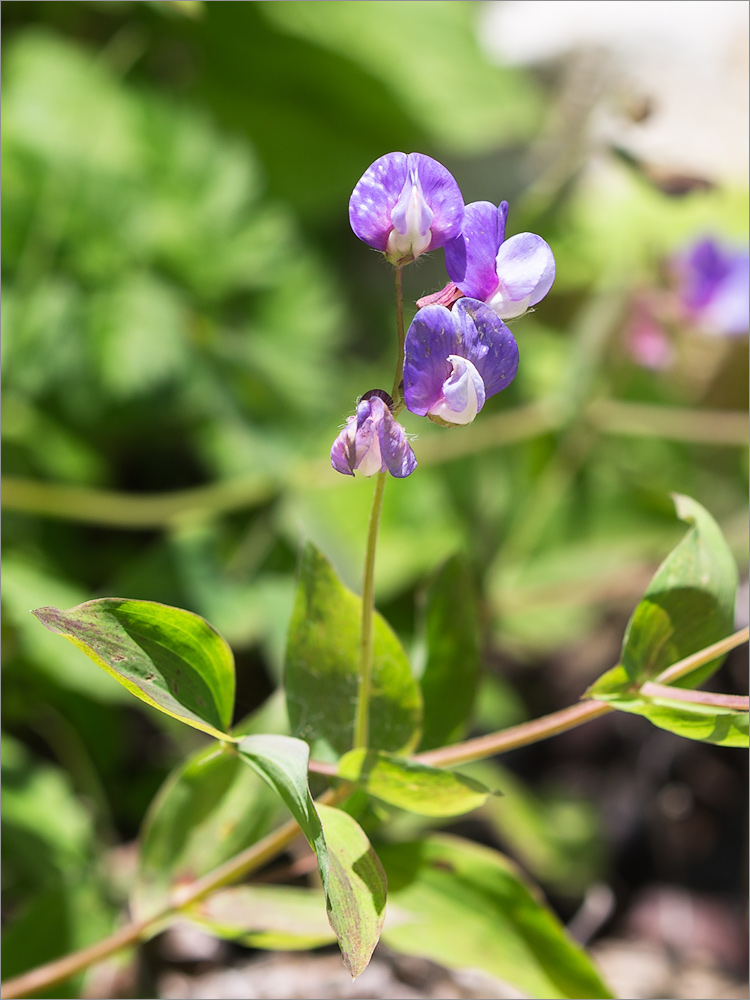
(282,762)
(707,723)
(169,658)
(352,877)
(266,916)
(449,680)
(409,785)
(467,906)
(209,809)
(356,888)
(688,605)
(696,722)
(322,668)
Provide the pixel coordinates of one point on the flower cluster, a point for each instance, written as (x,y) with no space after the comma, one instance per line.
(458,351)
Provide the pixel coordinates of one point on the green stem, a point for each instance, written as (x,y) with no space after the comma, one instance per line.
(362,716)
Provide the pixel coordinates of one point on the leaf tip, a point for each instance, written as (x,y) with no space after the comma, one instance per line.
(47,616)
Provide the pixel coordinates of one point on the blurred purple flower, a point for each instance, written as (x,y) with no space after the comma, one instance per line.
(509,275)
(455,360)
(406,205)
(714,287)
(373,441)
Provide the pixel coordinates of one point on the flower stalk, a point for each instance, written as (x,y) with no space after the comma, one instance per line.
(362,716)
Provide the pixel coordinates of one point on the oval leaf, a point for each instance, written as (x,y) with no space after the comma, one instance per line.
(467,906)
(353,879)
(688,605)
(409,785)
(356,888)
(267,916)
(451,673)
(169,658)
(322,669)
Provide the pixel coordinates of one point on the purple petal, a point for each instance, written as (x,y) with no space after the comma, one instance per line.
(442,194)
(342,451)
(429,340)
(398,456)
(375,197)
(487,342)
(526,272)
(372,442)
(470,259)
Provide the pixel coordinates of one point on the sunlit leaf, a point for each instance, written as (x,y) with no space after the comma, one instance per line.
(169,658)
(352,877)
(410,785)
(469,907)
(322,668)
(688,605)
(282,762)
(356,888)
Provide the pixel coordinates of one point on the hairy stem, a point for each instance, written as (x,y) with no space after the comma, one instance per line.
(362,716)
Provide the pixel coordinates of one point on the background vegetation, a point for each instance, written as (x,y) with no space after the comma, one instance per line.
(188,320)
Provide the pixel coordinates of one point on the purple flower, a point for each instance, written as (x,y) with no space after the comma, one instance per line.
(405,206)
(509,275)
(455,359)
(713,287)
(373,441)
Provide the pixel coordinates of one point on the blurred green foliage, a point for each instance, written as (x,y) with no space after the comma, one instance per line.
(185,306)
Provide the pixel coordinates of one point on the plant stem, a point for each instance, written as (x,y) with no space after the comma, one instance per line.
(362,716)
(733,702)
(716,649)
(566,718)
(362,713)
(516,736)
